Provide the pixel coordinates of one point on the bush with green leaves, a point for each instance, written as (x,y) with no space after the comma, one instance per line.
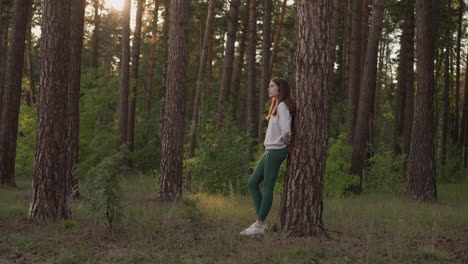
(453,171)
(220,164)
(104,194)
(337,179)
(384,172)
(26,140)
(98,137)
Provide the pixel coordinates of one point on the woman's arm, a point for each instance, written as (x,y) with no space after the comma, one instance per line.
(284,120)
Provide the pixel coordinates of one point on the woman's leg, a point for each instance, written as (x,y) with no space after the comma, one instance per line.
(254,183)
(273,161)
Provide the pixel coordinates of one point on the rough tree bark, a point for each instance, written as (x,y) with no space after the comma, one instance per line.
(170,178)
(421,181)
(49,194)
(12,94)
(302,199)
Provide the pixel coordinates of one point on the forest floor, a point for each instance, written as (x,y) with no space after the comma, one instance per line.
(205,229)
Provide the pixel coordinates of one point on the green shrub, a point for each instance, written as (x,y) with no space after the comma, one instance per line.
(26,140)
(337,179)
(453,171)
(221,159)
(385,173)
(104,197)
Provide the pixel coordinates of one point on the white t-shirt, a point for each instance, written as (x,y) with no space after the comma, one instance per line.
(278,133)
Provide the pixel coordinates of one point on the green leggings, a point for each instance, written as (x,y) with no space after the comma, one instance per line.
(267,171)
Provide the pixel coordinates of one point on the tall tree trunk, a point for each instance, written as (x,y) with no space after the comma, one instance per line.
(405,72)
(239,66)
(162,92)
(223,98)
(49,194)
(365,32)
(152,63)
(73,96)
(266,54)
(421,182)
(355,68)
(464,123)
(366,99)
(1,60)
(346,56)
(124,73)
(3,54)
(12,94)
(170,178)
(301,212)
(200,83)
(134,77)
(28,70)
(97,26)
(277,40)
(457,74)
(407,52)
(251,76)
(446,98)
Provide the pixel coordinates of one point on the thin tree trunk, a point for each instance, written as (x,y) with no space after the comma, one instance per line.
(134,78)
(277,40)
(200,83)
(73,109)
(162,93)
(209,60)
(49,192)
(421,182)
(346,57)
(223,98)
(125,74)
(12,94)
(457,77)
(97,26)
(239,65)
(408,55)
(301,212)
(365,32)
(404,69)
(446,100)
(251,76)
(366,99)
(152,63)
(355,68)
(266,70)
(1,61)
(170,178)
(29,96)
(464,124)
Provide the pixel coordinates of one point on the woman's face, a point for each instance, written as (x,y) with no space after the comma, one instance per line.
(273,90)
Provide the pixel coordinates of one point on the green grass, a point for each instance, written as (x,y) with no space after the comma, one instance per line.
(205,228)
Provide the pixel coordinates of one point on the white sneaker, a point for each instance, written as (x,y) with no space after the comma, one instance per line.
(254,229)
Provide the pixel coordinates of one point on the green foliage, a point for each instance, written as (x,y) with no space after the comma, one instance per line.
(104,197)
(385,172)
(220,161)
(26,140)
(98,135)
(453,171)
(147,150)
(337,179)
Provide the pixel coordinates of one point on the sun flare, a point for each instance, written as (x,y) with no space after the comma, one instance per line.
(116,4)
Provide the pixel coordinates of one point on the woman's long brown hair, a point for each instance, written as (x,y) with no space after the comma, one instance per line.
(284,96)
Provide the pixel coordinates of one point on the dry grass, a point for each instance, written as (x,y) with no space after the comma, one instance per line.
(204,229)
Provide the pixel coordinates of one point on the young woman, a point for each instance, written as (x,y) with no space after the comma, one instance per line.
(277,138)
